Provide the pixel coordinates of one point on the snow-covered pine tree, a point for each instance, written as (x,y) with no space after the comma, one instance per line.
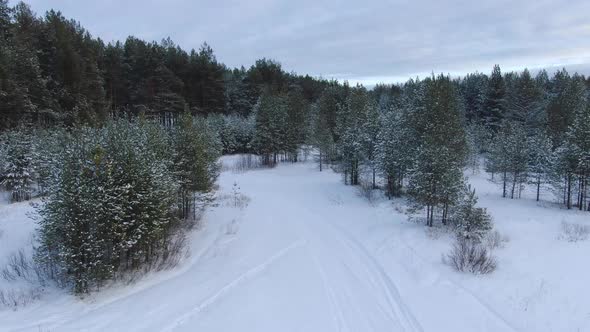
(196,151)
(494,106)
(320,135)
(577,151)
(470,221)
(508,156)
(19,172)
(370,140)
(569,102)
(297,112)
(270,131)
(540,159)
(525,103)
(396,145)
(351,118)
(473,88)
(436,178)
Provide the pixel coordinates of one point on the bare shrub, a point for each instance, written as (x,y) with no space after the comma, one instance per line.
(574,232)
(246,162)
(19,266)
(366,191)
(469,256)
(16,298)
(494,240)
(169,257)
(436,232)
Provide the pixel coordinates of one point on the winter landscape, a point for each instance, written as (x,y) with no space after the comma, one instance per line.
(149,186)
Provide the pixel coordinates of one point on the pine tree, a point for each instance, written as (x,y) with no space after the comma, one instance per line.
(371,129)
(297,112)
(470,222)
(494,107)
(540,159)
(195,160)
(525,104)
(19,172)
(474,88)
(509,157)
(436,177)
(352,117)
(320,136)
(575,157)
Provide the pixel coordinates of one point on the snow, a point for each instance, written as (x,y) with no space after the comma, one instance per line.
(310,254)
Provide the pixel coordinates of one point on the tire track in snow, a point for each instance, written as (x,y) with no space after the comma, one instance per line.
(448,281)
(395,301)
(336,310)
(398,310)
(231,285)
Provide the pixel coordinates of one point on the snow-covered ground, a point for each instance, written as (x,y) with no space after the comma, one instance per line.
(309,254)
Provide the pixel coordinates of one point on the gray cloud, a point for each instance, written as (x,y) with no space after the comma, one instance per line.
(368,41)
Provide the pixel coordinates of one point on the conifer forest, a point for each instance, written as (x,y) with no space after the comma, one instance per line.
(141,170)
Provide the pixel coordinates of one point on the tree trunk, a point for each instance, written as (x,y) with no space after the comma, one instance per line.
(504,185)
(569,192)
(538,187)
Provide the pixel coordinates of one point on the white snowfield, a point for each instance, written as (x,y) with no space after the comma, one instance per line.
(308,254)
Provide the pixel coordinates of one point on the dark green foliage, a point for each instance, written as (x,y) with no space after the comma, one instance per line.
(119,196)
(495,101)
(436,176)
(470,222)
(270,135)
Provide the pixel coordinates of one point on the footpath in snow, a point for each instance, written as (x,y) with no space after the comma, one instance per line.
(309,254)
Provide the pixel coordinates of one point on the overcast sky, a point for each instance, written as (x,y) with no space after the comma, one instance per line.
(361,41)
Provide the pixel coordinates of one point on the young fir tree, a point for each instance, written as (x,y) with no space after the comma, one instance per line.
(436,177)
(470,221)
(19,171)
(195,160)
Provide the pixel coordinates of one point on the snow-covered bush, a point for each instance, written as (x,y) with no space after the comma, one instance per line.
(574,232)
(470,256)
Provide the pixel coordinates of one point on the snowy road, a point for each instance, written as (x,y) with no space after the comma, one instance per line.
(306,254)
